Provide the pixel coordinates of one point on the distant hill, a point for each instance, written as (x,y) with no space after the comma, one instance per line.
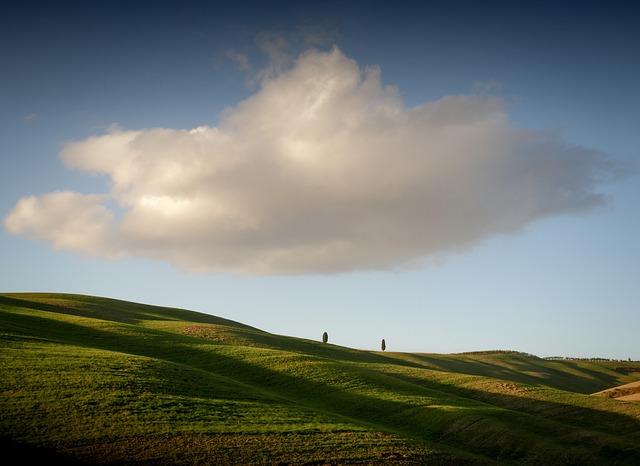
(96,380)
(626,392)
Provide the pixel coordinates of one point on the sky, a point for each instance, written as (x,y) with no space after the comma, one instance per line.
(448,176)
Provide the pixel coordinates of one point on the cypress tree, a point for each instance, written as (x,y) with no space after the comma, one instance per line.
(325,337)
(383,345)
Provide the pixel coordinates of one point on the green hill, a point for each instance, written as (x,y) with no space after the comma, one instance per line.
(98,380)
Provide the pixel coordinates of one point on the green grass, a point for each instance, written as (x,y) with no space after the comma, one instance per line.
(99,380)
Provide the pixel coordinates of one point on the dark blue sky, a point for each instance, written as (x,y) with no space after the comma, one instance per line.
(168,51)
(70,70)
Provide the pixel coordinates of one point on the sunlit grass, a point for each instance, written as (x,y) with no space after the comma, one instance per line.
(107,380)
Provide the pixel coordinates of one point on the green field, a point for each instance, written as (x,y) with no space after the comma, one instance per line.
(98,380)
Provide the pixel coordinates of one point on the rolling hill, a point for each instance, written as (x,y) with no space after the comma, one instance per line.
(97,380)
(627,392)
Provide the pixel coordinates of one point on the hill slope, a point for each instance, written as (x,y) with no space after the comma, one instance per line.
(626,392)
(100,380)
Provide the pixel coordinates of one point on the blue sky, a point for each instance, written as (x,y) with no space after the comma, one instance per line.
(566,284)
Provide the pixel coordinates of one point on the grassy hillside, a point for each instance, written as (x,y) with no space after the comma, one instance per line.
(99,380)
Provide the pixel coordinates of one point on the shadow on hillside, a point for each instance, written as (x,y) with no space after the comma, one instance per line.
(131,313)
(606,379)
(110,309)
(526,370)
(609,422)
(25,453)
(524,432)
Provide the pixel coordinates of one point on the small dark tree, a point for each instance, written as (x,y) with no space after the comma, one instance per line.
(325,337)
(383,345)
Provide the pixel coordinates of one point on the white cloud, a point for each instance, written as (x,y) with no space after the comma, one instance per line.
(66,219)
(322,170)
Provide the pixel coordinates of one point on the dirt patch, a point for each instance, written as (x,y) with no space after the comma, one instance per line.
(210,332)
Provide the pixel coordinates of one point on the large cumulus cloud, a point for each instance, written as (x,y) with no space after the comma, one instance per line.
(322,170)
